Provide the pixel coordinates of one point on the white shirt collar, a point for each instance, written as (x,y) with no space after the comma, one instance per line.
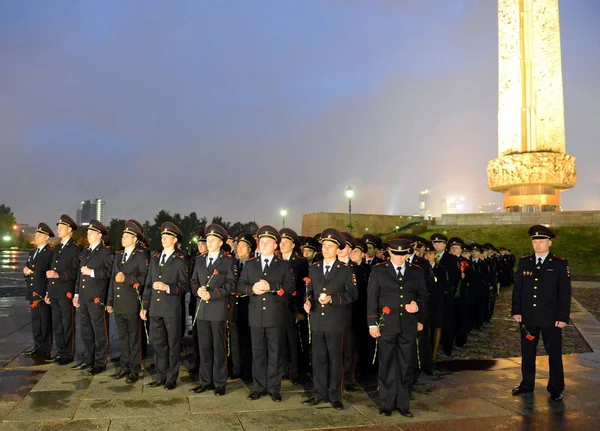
(263,258)
(167,254)
(93,246)
(129,250)
(542,257)
(214,256)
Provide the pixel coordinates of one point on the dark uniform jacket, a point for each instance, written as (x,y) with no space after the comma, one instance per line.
(37,281)
(65,261)
(174,273)
(300,267)
(387,290)
(341,285)
(452,265)
(100,260)
(269,310)
(542,296)
(123,297)
(220,281)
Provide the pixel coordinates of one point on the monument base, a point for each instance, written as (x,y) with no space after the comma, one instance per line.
(531,199)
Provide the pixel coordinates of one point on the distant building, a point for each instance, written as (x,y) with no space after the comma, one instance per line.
(490,207)
(91,209)
(424,210)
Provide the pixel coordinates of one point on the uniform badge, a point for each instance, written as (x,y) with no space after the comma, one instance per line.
(354,279)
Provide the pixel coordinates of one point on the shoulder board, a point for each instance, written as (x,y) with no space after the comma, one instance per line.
(76,243)
(316,263)
(122,251)
(558,257)
(253,258)
(527,255)
(180,254)
(380,264)
(156,254)
(412,264)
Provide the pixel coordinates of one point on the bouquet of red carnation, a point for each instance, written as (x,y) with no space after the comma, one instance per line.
(36,302)
(384,311)
(69,295)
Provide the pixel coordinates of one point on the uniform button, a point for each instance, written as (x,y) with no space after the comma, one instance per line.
(31,284)
(400,288)
(401,296)
(264,299)
(160,276)
(118,296)
(535,305)
(118,288)
(535,287)
(322,305)
(322,314)
(323,288)
(264,308)
(536,279)
(158,300)
(535,296)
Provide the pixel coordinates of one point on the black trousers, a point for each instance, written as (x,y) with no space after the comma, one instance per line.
(552,337)
(327,365)
(94,333)
(349,355)
(448,324)
(196,353)
(213,353)
(235,353)
(129,327)
(304,344)
(41,327)
(166,343)
(425,359)
(395,373)
(63,326)
(266,359)
(291,346)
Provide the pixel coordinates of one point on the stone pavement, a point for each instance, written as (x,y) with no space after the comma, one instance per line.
(465,395)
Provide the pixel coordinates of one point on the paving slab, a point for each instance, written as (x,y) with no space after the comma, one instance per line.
(46,405)
(128,408)
(15,384)
(103,386)
(237,401)
(209,422)
(72,425)
(6,408)
(300,419)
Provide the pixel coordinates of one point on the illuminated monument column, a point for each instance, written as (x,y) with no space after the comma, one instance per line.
(532,165)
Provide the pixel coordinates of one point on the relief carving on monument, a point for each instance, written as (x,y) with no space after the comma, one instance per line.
(543,168)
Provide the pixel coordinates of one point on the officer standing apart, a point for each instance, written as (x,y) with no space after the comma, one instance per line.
(167,280)
(331,290)
(215,277)
(270,282)
(541,303)
(396,294)
(61,285)
(38,262)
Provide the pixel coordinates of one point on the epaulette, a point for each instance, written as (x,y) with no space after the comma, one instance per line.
(558,257)
(316,263)
(527,255)
(121,251)
(380,264)
(180,254)
(156,254)
(253,258)
(345,264)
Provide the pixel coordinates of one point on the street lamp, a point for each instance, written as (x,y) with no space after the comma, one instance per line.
(349,195)
(283,213)
(6,238)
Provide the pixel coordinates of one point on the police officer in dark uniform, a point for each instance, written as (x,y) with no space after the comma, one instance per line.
(167,280)
(90,297)
(397,293)
(541,304)
(61,285)
(461,297)
(215,277)
(311,250)
(294,348)
(128,276)
(201,245)
(450,262)
(435,308)
(482,281)
(269,281)
(38,262)
(331,291)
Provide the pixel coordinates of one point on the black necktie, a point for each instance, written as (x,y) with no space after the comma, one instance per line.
(266,266)
(539,261)
(210,261)
(124,258)
(327,270)
(399,272)
(162,262)
(241,266)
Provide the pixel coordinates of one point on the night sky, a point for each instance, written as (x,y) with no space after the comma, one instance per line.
(240,108)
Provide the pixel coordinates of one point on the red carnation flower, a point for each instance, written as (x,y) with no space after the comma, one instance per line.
(307,280)
(294,294)
(529,337)
(215,272)
(136,285)
(34,304)
(386,310)
(96,300)
(69,295)
(281,292)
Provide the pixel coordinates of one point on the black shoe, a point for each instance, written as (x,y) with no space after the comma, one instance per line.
(406,412)
(337,405)
(132,378)
(193,369)
(219,391)
(200,389)
(385,412)
(556,397)
(31,350)
(53,359)
(40,354)
(349,387)
(120,374)
(520,390)
(254,395)
(155,384)
(80,366)
(169,386)
(276,397)
(429,372)
(64,361)
(313,401)
(95,370)
(295,381)
(235,376)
